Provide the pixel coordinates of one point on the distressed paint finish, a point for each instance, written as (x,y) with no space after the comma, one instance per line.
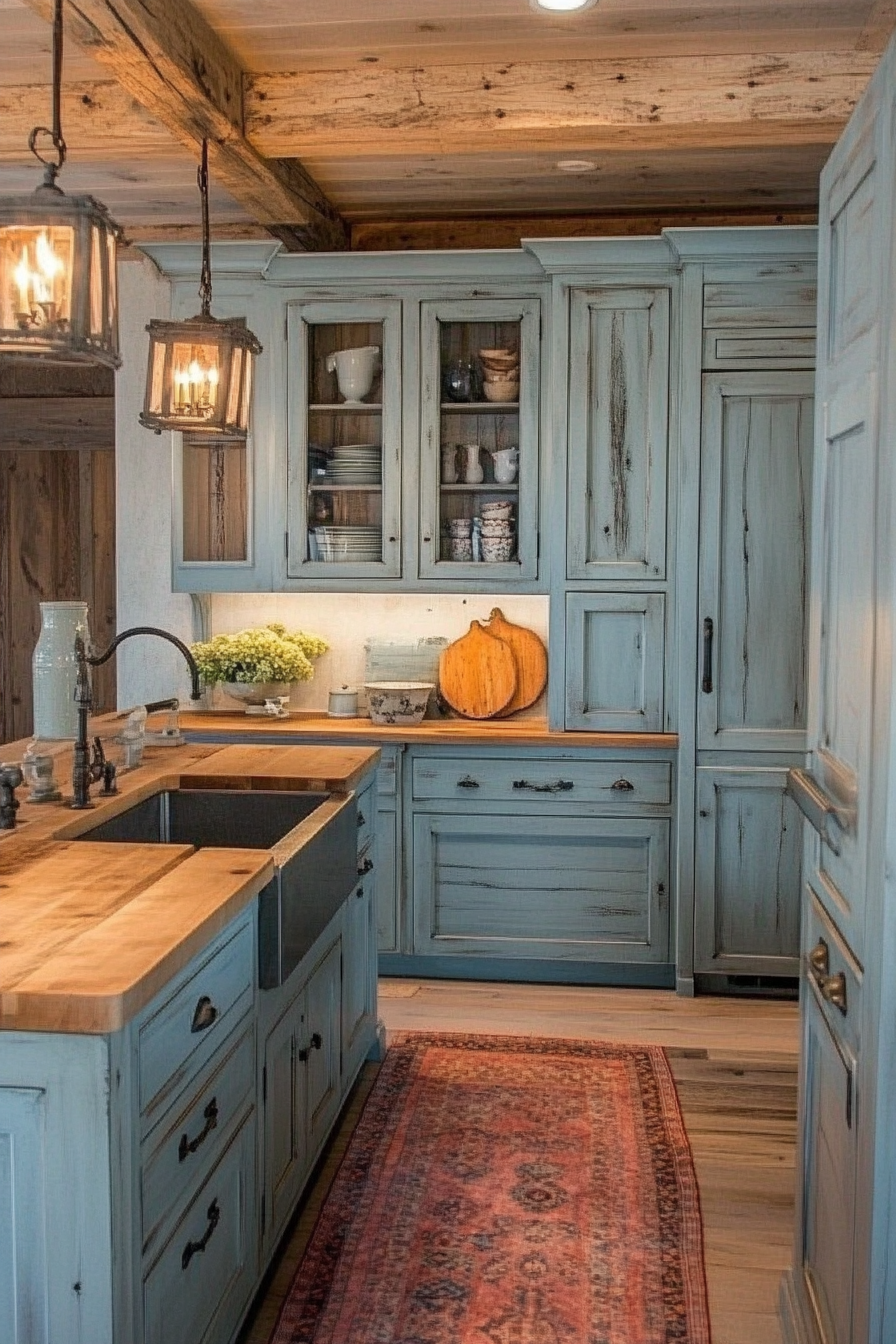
(618,432)
(755,493)
(748,864)
(560,888)
(615,661)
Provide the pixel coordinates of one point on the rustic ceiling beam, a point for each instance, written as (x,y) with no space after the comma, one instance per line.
(680,101)
(165,54)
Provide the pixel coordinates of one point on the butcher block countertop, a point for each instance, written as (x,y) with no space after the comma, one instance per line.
(520,731)
(92,932)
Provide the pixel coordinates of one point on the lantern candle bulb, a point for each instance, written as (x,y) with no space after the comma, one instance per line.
(37,305)
(195,390)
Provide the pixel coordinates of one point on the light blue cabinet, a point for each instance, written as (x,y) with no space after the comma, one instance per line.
(749,851)
(619,371)
(615,661)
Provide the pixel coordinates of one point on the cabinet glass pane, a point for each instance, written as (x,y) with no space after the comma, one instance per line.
(479,440)
(345,442)
(216,500)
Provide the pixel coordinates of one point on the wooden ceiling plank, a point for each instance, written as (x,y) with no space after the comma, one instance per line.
(770,98)
(167,56)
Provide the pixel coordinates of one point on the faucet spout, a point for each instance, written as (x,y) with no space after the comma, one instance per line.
(84,771)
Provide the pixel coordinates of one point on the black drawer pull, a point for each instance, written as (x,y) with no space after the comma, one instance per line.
(359,892)
(365,867)
(468,783)
(192,1247)
(623,786)
(316,1042)
(206,1013)
(188,1146)
(558,786)
(362,820)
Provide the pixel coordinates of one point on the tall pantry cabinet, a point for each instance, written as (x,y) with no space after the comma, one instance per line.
(842,1288)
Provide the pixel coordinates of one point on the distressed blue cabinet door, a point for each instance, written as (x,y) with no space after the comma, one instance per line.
(285,1106)
(748,864)
(618,433)
(24,1308)
(324,1045)
(755,503)
(614,662)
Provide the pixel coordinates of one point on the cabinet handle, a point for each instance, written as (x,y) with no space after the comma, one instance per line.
(468,783)
(821,810)
(188,1146)
(360,892)
(191,1248)
(706,683)
(316,1042)
(832,988)
(623,786)
(365,867)
(559,786)
(206,1013)
(362,820)
(428,541)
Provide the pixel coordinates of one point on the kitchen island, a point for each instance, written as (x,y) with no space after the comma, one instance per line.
(159,1113)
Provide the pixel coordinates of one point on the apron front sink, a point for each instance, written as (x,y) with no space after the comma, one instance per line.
(312,838)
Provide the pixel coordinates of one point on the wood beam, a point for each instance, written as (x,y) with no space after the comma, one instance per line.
(681,102)
(167,56)
(42,424)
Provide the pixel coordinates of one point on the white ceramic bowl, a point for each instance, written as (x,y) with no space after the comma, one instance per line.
(398,702)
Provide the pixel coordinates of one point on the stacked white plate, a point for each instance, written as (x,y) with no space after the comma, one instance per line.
(356,464)
(349,545)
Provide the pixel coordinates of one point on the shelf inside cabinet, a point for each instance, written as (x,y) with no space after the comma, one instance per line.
(348,407)
(328,487)
(479,407)
(485,487)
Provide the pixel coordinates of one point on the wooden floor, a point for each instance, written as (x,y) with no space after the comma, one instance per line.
(735,1066)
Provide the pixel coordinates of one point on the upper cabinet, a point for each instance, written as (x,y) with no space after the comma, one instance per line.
(344,382)
(618,433)
(480,375)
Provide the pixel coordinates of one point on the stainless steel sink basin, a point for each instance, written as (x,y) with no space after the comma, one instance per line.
(312,837)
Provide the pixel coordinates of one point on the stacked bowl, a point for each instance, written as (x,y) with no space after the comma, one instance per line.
(501,374)
(460,539)
(497,533)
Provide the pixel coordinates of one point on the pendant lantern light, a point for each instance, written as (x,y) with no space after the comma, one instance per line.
(199,378)
(58,295)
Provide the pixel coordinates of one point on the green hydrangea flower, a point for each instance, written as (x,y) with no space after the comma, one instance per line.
(264,653)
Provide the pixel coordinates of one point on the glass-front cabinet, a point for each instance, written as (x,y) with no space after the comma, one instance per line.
(479,439)
(344,383)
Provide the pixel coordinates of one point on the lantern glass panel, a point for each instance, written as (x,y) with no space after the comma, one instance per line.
(236,378)
(112,289)
(36,262)
(96,283)
(247,393)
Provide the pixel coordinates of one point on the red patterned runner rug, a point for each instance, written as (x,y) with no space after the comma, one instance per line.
(502,1190)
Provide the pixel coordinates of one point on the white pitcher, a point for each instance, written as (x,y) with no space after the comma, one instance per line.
(473,472)
(354,370)
(55,669)
(505,462)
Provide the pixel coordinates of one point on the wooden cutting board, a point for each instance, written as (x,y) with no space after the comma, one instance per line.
(477,674)
(531,659)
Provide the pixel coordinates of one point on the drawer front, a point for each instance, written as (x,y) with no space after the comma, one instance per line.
(558,782)
(196,1291)
(186,1030)
(832,976)
(193,1141)
(787,348)
(555,888)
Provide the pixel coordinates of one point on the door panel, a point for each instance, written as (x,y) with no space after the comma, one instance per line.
(755,495)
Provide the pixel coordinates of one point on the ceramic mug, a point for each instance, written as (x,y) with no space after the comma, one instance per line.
(354,370)
(505,462)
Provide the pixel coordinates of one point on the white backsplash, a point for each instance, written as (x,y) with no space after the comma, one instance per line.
(347,620)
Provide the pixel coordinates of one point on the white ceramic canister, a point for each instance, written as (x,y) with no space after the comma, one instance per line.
(55,668)
(343,703)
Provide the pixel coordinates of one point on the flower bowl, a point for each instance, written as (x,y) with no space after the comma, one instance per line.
(401,703)
(254,693)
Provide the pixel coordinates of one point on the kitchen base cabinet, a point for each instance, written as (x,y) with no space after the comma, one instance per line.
(748,861)
(569,888)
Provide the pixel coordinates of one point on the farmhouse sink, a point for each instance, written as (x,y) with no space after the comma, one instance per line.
(312,838)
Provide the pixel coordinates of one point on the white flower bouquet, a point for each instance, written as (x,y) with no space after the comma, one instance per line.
(264,655)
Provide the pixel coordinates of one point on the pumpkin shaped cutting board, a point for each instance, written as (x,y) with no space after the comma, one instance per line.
(530,656)
(477,674)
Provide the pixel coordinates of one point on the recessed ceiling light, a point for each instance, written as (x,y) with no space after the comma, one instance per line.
(576,165)
(562,6)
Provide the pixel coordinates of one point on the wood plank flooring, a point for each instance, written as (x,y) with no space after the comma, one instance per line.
(735,1067)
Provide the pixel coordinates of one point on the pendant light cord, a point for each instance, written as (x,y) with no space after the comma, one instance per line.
(205,275)
(52,167)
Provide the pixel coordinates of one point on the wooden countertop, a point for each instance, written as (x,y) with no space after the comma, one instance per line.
(516,732)
(91,933)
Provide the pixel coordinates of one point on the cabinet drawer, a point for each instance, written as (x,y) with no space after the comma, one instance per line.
(196,1290)
(177,1040)
(559,782)
(192,1142)
(822,940)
